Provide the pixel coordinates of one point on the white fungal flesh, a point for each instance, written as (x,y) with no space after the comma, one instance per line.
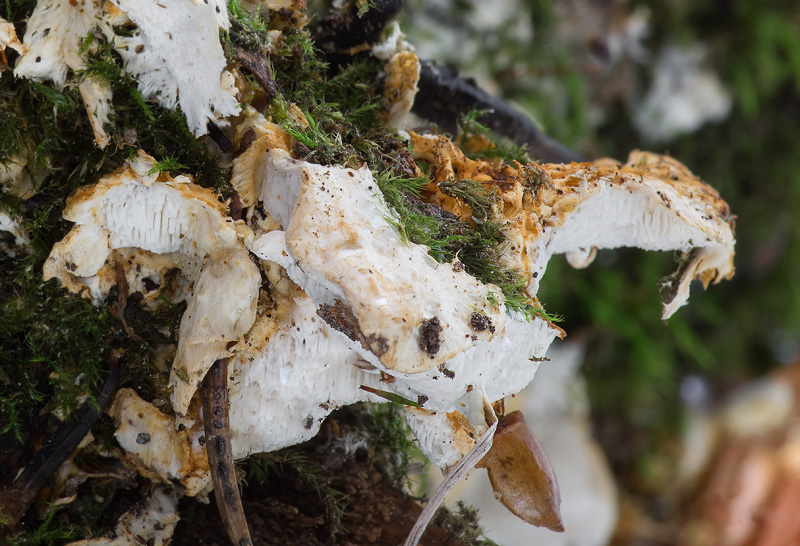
(8,37)
(96,97)
(443,440)
(222,308)
(155,448)
(176,56)
(282,393)
(651,202)
(644,211)
(52,47)
(11,225)
(341,246)
(53,38)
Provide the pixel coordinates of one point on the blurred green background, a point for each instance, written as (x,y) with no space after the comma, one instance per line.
(713,83)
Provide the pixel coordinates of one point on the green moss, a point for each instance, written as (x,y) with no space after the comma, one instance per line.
(479,197)
(391,446)
(501,147)
(478,248)
(50,532)
(245,19)
(55,345)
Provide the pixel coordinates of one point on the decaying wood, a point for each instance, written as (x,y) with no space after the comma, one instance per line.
(342,30)
(444,97)
(220,459)
(258,65)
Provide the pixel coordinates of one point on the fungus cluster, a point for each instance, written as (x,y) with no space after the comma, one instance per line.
(316,297)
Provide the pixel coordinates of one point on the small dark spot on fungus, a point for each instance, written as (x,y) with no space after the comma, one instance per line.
(308,423)
(421,399)
(429,332)
(378,344)
(481,322)
(143,438)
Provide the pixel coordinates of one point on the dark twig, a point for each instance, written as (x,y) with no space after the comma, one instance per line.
(258,65)
(118,308)
(444,97)
(16,500)
(220,459)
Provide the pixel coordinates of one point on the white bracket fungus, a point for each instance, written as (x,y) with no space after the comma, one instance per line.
(368,308)
(52,47)
(165,223)
(394,309)
(11,225)
(295,373)
(651,202)
(155,448)
(176,56)
(405,312)
(340,247)
(8,37)
(54,36)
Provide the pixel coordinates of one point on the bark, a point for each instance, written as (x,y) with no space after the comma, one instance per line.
(444,97)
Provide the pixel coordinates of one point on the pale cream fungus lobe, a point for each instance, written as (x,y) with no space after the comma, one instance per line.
(651,202)
(152,223)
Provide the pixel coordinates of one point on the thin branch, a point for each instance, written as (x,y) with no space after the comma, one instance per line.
(220,458)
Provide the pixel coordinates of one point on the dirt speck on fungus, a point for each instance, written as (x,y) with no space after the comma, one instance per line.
(481,322)
(429,332)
